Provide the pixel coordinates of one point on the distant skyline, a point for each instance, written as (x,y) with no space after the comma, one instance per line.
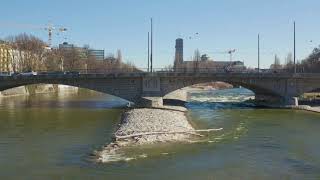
(221,25)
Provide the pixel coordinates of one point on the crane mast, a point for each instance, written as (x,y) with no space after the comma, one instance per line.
(49,28)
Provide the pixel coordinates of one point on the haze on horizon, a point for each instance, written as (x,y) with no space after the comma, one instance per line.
(221,25)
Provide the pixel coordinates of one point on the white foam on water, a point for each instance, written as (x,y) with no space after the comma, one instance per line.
(239,98)
(143,156)
(118,157)
(227,95)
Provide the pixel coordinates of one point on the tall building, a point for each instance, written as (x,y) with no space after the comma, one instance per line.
(179,52)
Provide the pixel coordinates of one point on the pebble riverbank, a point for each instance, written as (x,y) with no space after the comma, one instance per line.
(146,120)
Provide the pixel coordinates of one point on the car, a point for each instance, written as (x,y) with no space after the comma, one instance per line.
(53,73)
(2,74)
(31,73)
(72,73)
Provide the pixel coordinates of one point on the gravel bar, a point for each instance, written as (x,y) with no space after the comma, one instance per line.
(145,120)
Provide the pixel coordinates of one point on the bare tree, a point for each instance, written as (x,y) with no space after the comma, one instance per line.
(30,50)
(29,53)
(72,60)
(91,64)
(276,64)
(119,56)
(196,59)
(54,60)
(289,61)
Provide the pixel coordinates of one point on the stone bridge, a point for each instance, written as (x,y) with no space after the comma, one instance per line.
(139,87)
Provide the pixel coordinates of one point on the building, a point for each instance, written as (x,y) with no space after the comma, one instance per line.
(179,52)
(97,54)
(66,46)
(5,57)
(203,62)
(9,58)
(85,52)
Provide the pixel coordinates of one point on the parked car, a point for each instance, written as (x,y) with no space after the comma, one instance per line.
(5,74)
(72,73)
(31,73)
(54,73)
(15,74)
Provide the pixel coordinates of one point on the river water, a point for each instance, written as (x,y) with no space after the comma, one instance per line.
(51,137)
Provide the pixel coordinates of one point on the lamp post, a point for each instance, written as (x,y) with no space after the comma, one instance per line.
(258,53)
(294,47)
(151,54)
(148,51)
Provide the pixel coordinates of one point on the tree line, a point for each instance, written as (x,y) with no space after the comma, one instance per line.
(311,64)
(30,53)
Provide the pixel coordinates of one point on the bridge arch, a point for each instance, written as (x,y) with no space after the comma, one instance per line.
(261,92)
(36,90)
(125,88)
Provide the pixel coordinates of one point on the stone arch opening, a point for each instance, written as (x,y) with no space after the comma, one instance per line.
(261,93)
(58,89)
(212,88)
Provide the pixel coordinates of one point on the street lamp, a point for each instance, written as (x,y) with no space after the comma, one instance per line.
(258,53)
(294,46)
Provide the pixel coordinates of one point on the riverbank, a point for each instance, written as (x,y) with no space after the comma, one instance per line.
(306,108)
(161,124)
(315,109)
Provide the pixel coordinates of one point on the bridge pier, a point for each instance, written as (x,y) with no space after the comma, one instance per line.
(276,100)
(150,102)
(292,101)
(268,99)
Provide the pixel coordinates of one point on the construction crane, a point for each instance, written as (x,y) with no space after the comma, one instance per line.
(230,52)
(49,28)
(189,37)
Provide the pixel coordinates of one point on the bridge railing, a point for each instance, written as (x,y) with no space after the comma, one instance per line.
(165,71)
(159,70)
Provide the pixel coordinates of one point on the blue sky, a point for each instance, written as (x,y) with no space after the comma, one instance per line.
(222,25)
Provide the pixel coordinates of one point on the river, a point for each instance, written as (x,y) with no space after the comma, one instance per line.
(51,137)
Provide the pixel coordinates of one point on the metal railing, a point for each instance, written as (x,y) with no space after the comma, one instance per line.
(160,71)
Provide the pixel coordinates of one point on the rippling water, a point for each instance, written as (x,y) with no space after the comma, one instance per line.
(51,137)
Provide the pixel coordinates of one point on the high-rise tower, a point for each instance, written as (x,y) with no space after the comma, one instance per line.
(179,53)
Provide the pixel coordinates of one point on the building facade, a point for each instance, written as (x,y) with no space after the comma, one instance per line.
(9,58)
(97,54)
(5,58)
(85,52)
